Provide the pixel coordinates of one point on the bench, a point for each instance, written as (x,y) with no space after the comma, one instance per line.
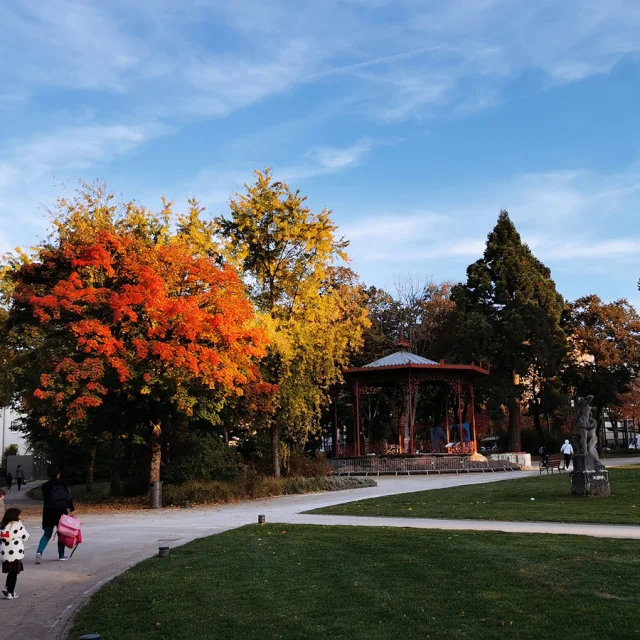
(553,464)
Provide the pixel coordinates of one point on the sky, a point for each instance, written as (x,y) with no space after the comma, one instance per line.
(414,121)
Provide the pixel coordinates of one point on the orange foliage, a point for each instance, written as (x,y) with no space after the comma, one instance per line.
(144,319)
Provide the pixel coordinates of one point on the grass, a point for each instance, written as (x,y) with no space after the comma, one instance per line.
(305,582)
(511,500)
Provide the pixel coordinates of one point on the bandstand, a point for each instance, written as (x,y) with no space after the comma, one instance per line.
(410,372)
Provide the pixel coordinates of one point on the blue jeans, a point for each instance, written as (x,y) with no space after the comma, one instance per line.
(44,541)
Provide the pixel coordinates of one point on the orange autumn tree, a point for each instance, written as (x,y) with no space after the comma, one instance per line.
(134,313)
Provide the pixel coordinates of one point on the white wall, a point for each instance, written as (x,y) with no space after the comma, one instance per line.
(7,416)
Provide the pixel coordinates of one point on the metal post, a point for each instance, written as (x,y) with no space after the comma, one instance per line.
(473,417)
(335,428)
(460,413)
(356,435)
(155,495)
(412,443)
(446,415)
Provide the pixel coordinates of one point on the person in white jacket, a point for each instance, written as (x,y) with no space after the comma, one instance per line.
(13,537)
(567,451)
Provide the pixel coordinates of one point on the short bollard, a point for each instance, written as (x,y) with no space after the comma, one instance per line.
(261,519)
(91,636)
(163,552)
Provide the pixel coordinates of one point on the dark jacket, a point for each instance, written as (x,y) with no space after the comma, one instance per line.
(51,515)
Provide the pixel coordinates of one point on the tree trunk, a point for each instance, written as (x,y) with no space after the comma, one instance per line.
(514,425)
(626,433)
(91,467)
(614,428)
(275,449)
(116,487)
(600,429)
(226,436)
(156,454)
(515,416)
(537,421)
(465,411)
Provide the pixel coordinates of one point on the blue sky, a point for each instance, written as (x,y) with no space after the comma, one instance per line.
(414,121)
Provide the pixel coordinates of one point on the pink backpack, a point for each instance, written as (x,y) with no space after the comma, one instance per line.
(69,531)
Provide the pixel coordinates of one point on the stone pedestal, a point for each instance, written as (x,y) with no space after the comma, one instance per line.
(522,459)
(589,477)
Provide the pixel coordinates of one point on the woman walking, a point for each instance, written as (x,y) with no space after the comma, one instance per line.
(567,451)
(20,476)
(9,480)
(57,502)
(13,536)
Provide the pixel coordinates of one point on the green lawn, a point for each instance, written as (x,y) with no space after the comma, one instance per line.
(358,583)
(511,500)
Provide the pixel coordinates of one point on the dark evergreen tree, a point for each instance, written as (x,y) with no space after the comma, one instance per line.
(509,315)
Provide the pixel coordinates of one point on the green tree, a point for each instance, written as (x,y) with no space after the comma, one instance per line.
(312,305)
(509,316)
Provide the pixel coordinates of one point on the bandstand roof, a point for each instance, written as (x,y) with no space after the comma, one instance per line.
(399,358)
(405,361)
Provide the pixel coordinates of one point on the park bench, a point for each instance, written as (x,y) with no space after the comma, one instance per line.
(550,466)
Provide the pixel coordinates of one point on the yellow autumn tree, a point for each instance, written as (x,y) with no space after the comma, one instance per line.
(312,304)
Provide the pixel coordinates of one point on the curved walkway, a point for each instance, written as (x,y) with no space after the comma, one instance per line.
(595,530)
(53,591)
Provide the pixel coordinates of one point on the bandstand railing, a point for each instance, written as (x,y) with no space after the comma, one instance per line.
(382,448)
(399,465)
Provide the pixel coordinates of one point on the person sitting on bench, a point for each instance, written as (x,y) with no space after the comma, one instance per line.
(544,455)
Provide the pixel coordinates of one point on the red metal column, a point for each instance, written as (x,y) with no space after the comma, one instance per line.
(473,417)
(356,434)
(412,442)
(446,416)
(460,412)
(336,434)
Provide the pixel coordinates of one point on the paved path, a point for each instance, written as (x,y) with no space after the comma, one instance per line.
(595,530)
(52,592)
(17,498)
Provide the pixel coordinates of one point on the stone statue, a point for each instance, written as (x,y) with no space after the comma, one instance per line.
(588,428)
(589,476)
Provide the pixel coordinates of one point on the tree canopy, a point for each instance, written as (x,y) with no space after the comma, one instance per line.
(115,309)
(509,316)
(604,357)
(295,267)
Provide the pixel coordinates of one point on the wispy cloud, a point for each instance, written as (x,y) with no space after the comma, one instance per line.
(394,228)
(71,149)
(323,160)
(218,57)
(573,220)
(31,169)
(589,248)
(222,84)
(71,43)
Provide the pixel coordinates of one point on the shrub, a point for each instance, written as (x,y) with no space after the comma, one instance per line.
(252,486)
(203,456)
(307,466)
